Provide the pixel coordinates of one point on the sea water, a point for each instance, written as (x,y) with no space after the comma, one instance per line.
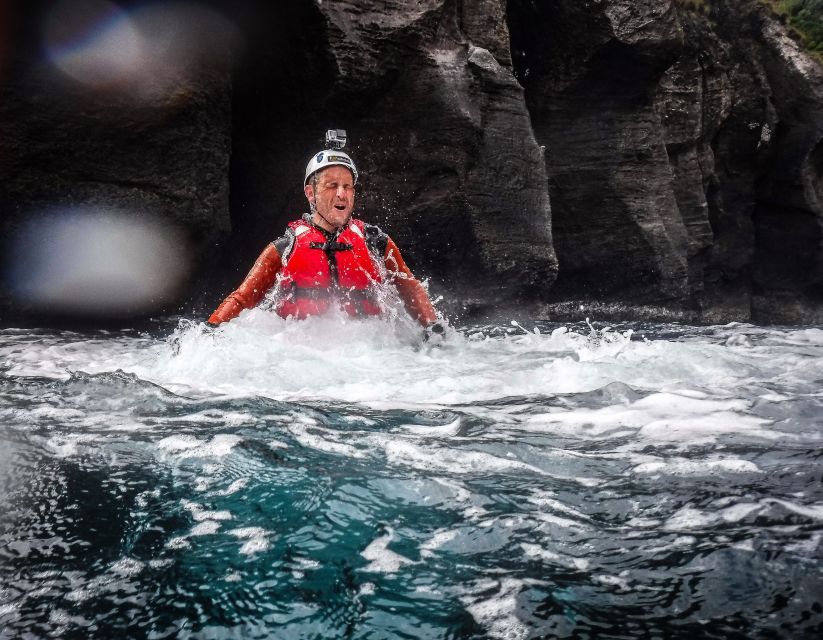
(345,479)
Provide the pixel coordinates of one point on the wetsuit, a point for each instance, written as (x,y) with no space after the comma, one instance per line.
(313,268)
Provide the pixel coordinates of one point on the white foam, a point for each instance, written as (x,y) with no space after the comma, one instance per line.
(190,447)
(175,444)
(371,362)
(814,512)
(690,519)
(383,560)
(664,416)
(128,567)
(559,521)
(178,542)
(545,500)
(324,440)
(807,548)
(680,542)
(806,336)
(256,539)
(163,563)
(439,431)
(683,467)
(234,487)
(205,528)
(458,461)
(686,392)
(436,541)
(200,514)
(69,445)
(228,418)
(536,551)
(744,545)
(498,614)
(613,581)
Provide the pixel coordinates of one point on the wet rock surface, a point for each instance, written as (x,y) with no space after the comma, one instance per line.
(680,151)
(651,159)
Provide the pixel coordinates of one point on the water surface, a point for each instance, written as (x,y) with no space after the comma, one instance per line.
(331,479)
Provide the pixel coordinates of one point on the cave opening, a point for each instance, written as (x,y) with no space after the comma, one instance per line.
(280,109)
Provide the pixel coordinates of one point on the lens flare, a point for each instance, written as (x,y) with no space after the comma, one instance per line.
(96,262)
(93,41)
(149,52)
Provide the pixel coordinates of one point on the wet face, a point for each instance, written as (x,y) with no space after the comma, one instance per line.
(332,192)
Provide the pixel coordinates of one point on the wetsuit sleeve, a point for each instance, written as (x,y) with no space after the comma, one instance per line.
(413,294)
(258,281)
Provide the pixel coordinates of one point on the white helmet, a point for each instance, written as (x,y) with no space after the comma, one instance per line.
(328,158)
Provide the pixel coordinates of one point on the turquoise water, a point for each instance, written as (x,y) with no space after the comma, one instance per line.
(344,480)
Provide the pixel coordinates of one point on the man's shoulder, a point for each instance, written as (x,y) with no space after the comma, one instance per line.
(285,242)
(302,221)
(299,226)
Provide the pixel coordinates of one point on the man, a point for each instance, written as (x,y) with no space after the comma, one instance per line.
(328,258)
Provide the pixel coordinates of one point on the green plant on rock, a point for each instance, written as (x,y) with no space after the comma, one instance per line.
(806,18)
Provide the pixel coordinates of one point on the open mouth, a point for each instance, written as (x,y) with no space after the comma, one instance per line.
(340,207)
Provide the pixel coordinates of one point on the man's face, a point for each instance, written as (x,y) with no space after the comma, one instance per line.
(333,197)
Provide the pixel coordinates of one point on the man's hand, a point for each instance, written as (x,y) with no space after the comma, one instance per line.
(435,330)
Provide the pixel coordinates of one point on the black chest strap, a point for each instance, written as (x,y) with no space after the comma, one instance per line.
(330,248)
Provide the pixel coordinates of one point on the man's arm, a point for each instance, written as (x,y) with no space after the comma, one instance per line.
(249,294)
(413,294)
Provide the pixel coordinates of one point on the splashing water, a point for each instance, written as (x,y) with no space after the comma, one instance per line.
(341,478)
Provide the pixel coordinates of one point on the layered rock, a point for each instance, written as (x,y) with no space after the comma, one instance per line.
(681,151)
(591,73)
(788,216)
(755,128)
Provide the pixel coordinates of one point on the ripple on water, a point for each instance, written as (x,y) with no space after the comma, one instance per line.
(513,483)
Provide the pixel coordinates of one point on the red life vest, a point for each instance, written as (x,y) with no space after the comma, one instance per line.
(320,272)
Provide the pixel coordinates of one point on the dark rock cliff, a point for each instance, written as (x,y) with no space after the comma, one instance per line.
(683,152)
(648,158)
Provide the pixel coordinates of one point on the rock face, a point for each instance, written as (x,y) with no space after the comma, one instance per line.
(681,151)
(655,157)
(591,72)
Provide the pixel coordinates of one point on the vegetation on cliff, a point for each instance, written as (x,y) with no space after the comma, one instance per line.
(806,17)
